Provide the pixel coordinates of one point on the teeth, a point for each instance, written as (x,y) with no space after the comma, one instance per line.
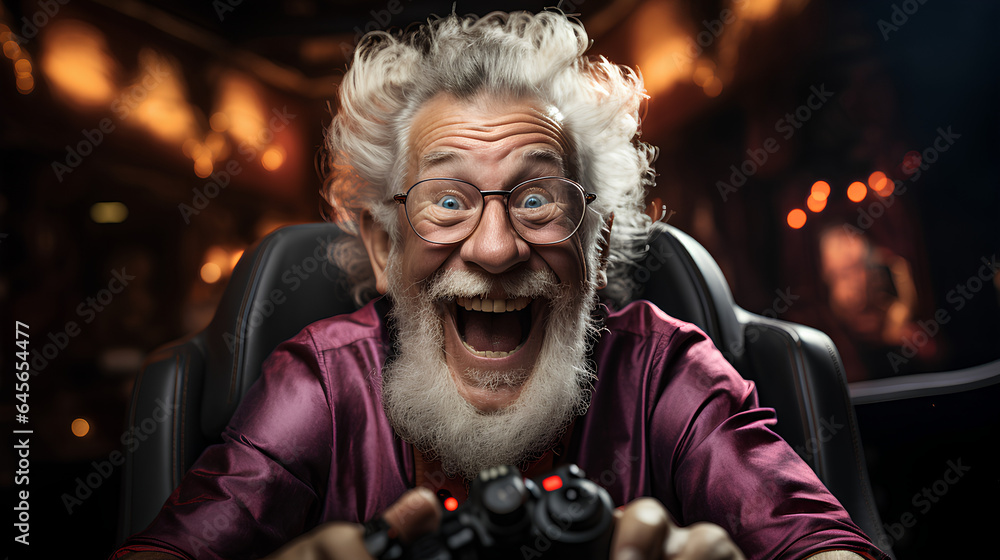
(490,353)
(493,305)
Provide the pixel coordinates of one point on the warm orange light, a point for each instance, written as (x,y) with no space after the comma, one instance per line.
(888,189)
(218,263)
(552,483)
(11,49)
(451,504)
(273,158)
(703,73)
(203,166)
(189,148)
(158,98)
(234,258)
(76,61)
(219,256)
(713,87)
(267,224)
(820,190)
(797,218)
(219,122)
(25,84)
(210,272)
(216,142)
(877,181)
(664,50)
(22,66)
(759,10)
(245,116)
(816,204)
(857,191)
(80,427)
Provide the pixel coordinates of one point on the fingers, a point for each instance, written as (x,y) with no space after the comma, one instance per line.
(644,531)
(331,541)
(415,513)
(640,531)
(705,541)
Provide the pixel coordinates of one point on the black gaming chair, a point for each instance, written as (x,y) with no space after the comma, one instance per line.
(286,282)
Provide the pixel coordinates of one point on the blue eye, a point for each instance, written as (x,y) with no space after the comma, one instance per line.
(449,202)
(534,201)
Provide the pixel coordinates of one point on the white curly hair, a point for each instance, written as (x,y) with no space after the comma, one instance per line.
(538,56)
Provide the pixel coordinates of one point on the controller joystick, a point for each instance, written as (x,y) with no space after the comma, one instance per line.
(558,515)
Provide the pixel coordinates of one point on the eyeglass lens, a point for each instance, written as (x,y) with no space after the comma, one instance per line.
(542,211)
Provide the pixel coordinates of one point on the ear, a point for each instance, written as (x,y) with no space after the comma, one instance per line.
(377,244)
(602,260)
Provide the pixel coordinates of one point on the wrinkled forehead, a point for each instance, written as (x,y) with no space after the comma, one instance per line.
(447,132)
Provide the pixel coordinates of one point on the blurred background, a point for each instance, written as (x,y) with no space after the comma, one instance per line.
(836,157)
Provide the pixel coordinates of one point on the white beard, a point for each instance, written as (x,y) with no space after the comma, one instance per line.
(423,403)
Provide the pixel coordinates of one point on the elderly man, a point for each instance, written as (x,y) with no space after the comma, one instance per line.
(482,164)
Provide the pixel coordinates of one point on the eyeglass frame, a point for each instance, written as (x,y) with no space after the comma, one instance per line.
(588,197)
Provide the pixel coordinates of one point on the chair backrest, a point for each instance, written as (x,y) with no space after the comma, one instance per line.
(280,285)
(286,282)
(797,369)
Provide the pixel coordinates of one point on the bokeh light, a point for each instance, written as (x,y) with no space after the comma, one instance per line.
(713,87)
(820,190)
(11,49)
(889,188)
(759,10)
(203,166)
(797,218)
(210,273)
(881,184)
(219,122)
(815,204)
(76,60)
(857,191)
(243,114)
(80,427)
(704,72)
(234,258)
(662,46)
(108,212)
(877,181)
(158,98)
(273,158)
(25,84)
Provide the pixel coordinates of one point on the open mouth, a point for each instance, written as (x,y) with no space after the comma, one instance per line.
(493,328)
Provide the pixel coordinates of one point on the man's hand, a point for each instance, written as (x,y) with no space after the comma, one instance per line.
(644,531)
(415,513)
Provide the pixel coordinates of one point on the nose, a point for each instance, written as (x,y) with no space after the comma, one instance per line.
(494,245)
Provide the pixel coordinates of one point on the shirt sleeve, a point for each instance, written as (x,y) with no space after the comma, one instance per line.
(262,486)
(724,463)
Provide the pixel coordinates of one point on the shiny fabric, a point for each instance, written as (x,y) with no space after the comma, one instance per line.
(669,418)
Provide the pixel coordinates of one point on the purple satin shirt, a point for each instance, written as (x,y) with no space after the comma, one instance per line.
(670,418)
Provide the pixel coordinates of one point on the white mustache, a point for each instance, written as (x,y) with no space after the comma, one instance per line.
(450,284)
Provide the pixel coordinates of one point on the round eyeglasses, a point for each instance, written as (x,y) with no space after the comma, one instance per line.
(543,211)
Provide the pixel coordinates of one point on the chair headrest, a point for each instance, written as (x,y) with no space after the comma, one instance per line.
(280,285)
(682,279)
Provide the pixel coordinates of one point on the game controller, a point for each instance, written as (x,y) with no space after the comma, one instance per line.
(561,514)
